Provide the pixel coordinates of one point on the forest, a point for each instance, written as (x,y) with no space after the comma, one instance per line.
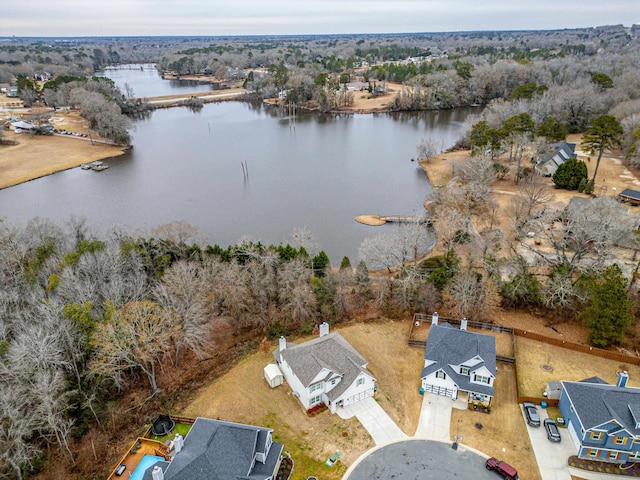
(87,318)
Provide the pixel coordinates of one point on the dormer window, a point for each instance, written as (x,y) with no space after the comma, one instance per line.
(441,374)
(464,371)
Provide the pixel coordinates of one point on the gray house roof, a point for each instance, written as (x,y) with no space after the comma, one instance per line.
(330,351)
(597,403)
(218,450)
(558,153)
(447,346)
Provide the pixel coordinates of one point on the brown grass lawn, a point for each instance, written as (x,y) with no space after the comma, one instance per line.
(503,434)
(566,364)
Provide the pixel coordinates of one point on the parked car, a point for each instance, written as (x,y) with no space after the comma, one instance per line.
(553,432)
(531,413)
(503,469)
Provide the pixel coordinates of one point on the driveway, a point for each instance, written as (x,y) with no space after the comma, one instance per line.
(435,417)
(375,420)
(552,457)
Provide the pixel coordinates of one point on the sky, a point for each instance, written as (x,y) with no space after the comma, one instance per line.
(52,18)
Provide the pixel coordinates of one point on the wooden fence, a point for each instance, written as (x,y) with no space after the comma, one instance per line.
(579,347)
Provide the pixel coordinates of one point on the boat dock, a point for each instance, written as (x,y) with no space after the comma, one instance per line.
(377,220)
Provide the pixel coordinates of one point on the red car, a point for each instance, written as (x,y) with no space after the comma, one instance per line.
(503,469)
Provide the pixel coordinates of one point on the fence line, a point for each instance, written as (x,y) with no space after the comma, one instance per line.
(578,347)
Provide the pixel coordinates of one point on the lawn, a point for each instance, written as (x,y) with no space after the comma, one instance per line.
(503,433)
(534,359)
(181,428)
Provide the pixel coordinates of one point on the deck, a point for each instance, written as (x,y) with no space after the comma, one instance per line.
(133,456)
(377,220)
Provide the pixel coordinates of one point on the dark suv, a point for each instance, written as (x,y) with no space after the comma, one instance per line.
(531,413)
(501,468)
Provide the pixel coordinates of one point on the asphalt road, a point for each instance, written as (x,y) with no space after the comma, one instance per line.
(422,460)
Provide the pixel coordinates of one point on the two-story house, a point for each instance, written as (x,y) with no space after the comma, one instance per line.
(458,360)
(215,449)
(325,370)
(603,420)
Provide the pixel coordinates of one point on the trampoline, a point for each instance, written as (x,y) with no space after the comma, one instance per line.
(163,425)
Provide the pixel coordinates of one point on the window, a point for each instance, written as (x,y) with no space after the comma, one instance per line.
(441,374)
(481,379)
(620,440)
(316,399)
(595,435)
(315,387)
(613,455)
(360,382)
(592,452)
(333,382)
(464,371)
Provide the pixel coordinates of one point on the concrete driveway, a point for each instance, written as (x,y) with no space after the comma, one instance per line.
(435,417)
(375,420)
(552,457)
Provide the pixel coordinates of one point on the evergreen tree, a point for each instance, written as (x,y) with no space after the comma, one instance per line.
(608,313)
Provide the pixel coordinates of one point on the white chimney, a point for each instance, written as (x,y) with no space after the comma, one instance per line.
(324,329)
(282,345)
(178,442)
(434,318)
(463,324)
(157,473)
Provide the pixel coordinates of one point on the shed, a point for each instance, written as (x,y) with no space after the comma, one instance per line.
(631,196)
(553,390)
(273,375)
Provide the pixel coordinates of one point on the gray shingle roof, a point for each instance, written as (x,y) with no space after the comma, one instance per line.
(447,345)
(598,403)
(218,450)
(330,351)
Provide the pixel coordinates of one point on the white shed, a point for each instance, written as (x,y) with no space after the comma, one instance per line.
(273,375)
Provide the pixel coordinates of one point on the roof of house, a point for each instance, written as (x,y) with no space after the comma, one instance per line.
(629,193)
(559,153)
(330,351)
(597,403)
(448,346)
(219,450)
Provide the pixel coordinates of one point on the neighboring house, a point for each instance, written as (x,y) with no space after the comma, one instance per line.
(12,92)
(325,370)
(218,450)
(557,154)
(630,196)
(42,76)
(603,420)
(458,360)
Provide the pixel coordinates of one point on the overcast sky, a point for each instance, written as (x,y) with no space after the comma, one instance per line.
(258,17)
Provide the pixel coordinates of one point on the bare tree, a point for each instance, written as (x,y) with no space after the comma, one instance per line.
(134,337)
(184,294)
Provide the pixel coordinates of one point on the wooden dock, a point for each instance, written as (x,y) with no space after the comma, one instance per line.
(377,220)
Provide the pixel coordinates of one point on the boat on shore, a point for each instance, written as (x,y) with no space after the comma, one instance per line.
(97,166)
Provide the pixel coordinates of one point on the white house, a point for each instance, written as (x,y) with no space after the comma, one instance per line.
(458,360)
(325,370)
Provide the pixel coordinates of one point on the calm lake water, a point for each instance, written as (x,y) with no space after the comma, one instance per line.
(314,171)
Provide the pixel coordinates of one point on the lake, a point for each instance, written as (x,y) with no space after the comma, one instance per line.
(314,171)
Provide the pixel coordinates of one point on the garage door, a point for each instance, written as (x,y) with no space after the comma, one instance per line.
(447,392)
(574,436)
(358,397)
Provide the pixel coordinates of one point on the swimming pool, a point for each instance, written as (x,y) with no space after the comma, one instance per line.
(145,463)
